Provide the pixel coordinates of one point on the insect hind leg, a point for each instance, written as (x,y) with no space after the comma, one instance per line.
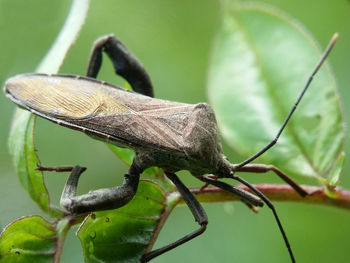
(101,199)
(124,62)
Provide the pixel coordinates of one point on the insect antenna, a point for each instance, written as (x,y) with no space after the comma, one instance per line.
(273,142)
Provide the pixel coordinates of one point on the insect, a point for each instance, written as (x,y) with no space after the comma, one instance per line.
(172,135)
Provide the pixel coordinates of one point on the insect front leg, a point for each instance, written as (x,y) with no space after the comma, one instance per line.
(228,170)
(273,209)
(101,199)
(124,62)
(244,195)
(197,211)
(263,168)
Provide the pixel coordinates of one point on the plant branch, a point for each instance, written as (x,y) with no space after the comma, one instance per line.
(278,192)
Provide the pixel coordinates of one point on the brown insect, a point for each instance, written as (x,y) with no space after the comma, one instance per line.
(172,135)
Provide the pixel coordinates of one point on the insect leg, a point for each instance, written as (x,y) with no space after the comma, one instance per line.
(244,195)
(57,169)
(263,168)
(272,207)
(197,211)
(124,62)
(101,199)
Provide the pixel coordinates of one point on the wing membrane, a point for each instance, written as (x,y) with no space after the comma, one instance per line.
(103,110)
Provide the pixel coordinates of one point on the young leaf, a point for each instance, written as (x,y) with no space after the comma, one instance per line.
(260,63)
(21,141)
(31,239)
(21,144)
(123,235)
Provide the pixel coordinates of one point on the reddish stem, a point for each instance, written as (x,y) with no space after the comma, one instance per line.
(278,192)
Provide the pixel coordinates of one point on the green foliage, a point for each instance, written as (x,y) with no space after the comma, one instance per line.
(261,61)
(29,239)
(21,144)
(122,235)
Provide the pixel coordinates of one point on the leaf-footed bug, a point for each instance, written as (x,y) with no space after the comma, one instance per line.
(171,135)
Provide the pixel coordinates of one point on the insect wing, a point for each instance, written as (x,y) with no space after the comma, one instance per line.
(102,110)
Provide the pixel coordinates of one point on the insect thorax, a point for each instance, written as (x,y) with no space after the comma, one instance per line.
(200,152)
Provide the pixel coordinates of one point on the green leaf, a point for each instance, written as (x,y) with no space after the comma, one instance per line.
(260,62)
(29,239)
(66,38)
(334,176)
(21,142)
(126,155)
(123,235)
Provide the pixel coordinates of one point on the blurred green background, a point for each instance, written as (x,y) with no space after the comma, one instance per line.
(172,39)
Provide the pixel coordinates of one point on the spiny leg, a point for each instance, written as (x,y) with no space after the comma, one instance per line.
(274,141)
(101,199)
(197,211)
(124,62)
(263,168)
